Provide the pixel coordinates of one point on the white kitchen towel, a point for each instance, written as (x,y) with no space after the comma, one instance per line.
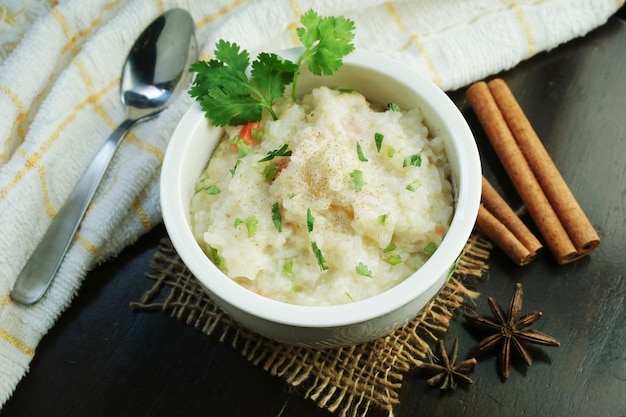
(59,100)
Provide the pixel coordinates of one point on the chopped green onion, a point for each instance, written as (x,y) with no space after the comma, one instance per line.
(389,247)
(320,258)
(378,138)
(349,296)
(430,248)
(288,267)
(362,269)
(250,223)
(215,257)
(382,218)
(233,169)
(291,195)
(390,152)
(394,107)
(242,148)
(414,185)
(357,180)
(276,218)
(310,220)
(283,151)
(359,152)
(394,259)
(270,172)
(210,189)
(415,160)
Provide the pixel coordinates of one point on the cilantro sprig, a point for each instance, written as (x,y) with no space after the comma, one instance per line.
(326,41)
(229,95)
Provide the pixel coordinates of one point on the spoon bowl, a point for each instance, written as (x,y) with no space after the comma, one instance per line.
(156,63)
(154,72)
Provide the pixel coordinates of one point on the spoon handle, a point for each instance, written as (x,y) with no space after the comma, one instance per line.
(35,277)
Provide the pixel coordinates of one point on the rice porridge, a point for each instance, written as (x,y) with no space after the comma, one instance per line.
(332,203)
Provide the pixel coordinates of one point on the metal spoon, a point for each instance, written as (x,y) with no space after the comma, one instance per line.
(154,72)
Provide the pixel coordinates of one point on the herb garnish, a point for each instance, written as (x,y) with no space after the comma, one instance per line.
(393,107)
(390,247)
(359,153)
(356,182)
(210,189)
(250,222)
(415,160)
(283,151)
(229,97)
(430,248)
(362,269)
(310,220)
(394,260)
(326,41)
(276,217)
(414,185)
(242,148)
(215,257)
(270,172)
(378,138)
(234,168)
(320,258)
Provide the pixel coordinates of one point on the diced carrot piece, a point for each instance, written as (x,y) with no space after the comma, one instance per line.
(246,133)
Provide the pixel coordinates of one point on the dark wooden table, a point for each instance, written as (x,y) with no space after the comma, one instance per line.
(104,359)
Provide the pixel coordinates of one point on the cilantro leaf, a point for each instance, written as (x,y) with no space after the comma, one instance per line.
(394,260)
(390,247)
(378,138)
(229,97)
(356,182)
(362,269)
(276,217)
(430,248)
(319,256)
(310,220)
(250,223)
(210,189)
(326,41)
(283,151)
(272,74)
(222,88)
(414,185)
(415,160)
(359,152)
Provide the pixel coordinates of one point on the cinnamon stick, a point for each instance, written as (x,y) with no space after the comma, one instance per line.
(578,227)
(520,173)
(495,205)
(503,237)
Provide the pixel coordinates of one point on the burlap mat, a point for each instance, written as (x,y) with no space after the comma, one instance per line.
(347,381)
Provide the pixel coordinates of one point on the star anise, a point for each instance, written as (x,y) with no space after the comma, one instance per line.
(509,330)
(447,372)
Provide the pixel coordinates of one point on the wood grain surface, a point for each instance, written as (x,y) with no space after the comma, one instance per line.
(104,359)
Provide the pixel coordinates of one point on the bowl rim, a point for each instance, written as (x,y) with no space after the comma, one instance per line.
(226,290)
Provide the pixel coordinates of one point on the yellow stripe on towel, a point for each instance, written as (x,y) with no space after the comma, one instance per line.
(530,38)
(73,40)
(19,106)
(220,13)
(35,157)
(16,343)
(415,39)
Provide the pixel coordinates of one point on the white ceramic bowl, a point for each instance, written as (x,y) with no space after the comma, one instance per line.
(382,80)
